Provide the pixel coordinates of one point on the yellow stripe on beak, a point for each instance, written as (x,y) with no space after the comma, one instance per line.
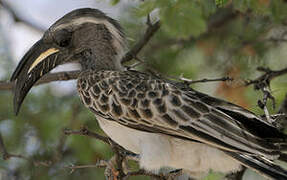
(43,56)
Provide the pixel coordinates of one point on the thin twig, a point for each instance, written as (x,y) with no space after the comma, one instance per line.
(59,76)
(180,78)
(150,31)
(5,154)
(265,79)
(85,132)
(119,158)
(74,167)
(120,155)
(263,83)
(189,81)
(142,172)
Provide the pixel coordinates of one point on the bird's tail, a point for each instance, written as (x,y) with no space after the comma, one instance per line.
(261,165)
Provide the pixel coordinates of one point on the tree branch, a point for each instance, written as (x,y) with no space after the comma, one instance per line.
(114,166)
(60,76)
(263,83)
(264,80)
(85,132)
(190,81)
(150,31)
(5,154)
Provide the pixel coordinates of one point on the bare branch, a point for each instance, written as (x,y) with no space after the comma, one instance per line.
(74,167)
(264,80)
(85,132)
(189,81)
(142,172)
(5,154)
(114,166)
(263,83)
(60,76)
(152,28)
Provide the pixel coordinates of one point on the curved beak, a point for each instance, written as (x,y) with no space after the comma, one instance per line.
(39,60)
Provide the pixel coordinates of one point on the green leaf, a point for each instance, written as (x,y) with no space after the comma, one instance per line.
(221,3)
(183,19)
(114,2)
(278,9)
(145,8)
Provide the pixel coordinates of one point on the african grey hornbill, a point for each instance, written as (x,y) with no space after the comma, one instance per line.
(167,123)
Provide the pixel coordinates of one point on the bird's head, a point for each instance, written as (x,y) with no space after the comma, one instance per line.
(86,36)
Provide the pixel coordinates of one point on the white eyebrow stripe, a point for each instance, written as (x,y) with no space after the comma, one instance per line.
(118,41)
(43,56)
(114,31)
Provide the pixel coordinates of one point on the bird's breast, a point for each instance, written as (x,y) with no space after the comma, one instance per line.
(157,150)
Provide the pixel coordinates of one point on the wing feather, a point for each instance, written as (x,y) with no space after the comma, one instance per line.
(146,103)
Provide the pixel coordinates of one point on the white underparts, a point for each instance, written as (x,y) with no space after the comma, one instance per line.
(157,151)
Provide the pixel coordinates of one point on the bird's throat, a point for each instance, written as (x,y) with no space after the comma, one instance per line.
(100,60)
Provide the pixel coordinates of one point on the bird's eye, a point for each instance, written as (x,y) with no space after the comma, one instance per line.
(63,38)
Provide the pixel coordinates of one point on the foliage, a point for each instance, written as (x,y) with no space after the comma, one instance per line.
(199,39)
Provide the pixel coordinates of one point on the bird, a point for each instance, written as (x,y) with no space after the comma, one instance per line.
(165,122)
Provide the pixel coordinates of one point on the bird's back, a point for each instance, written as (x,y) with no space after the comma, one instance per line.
(147,103)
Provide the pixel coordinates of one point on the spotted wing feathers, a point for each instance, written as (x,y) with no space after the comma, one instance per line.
(144,102)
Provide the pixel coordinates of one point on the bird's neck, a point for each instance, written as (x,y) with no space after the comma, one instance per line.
(102,57)
(105,51)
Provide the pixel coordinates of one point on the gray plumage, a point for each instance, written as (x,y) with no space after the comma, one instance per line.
(167,123)
(147,103)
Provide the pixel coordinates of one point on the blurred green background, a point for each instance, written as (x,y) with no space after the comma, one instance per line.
(197,39)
